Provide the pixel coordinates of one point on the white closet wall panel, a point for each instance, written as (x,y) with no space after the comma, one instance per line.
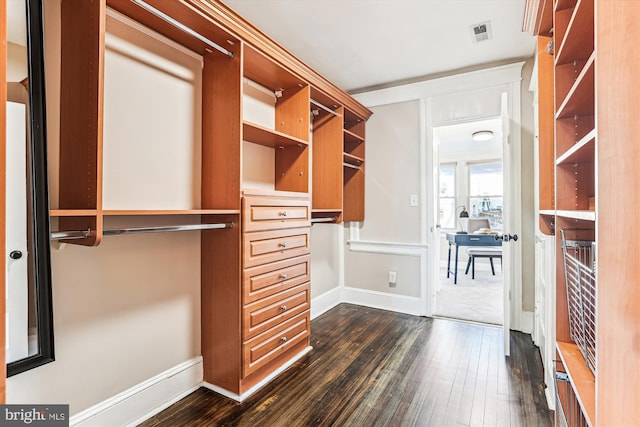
(152,122)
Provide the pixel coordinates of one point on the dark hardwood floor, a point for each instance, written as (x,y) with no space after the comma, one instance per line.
(377,368)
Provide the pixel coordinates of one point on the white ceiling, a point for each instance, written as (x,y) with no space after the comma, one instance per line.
(455,140)
(364,43)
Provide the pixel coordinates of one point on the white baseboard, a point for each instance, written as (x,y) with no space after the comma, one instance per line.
(381,300)
(144,400)
(325,302)
(265,381)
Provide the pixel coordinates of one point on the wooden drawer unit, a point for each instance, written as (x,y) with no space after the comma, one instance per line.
(271,311)
(269,246)
(268,346)
(264,213)
(264,280)
(276,290)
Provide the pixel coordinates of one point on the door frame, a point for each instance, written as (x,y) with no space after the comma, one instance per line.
(504,78)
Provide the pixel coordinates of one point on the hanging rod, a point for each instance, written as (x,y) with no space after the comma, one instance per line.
(349,165)
(164,229)
(68,235)
(83,234)
(331,219)
(328,110)
(182,27)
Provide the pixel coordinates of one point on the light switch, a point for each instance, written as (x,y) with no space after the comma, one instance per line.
(413,200)
(393,276)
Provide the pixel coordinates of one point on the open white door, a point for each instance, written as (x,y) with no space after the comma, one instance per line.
(434,243)
(507,221)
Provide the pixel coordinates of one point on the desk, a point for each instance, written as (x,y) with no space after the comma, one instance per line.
(467,240)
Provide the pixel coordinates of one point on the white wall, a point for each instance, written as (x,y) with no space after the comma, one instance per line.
(392,175)
(325,258)
(386,191)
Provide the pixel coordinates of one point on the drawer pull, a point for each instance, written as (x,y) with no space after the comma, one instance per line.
(283,276)
(283,213)
(283,339)
(283,308)
(282,245)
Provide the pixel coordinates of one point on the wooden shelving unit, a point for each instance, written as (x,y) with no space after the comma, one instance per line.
(327,157)
(261,257)
(354,166)
(289,136)
(575,143)
(596,127)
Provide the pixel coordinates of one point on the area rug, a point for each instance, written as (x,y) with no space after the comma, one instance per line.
(475,300)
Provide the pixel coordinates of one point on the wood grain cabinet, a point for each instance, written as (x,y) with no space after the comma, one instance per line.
(338,160)
(251,142)
(596,153)
(275,325)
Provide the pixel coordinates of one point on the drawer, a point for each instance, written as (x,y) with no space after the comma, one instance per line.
(269,246)
(271,213)
(271,311)
(265,280)
(262,349)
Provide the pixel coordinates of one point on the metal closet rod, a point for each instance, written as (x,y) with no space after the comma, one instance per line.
(82,234)
(182,27)
(349,165)
(331,219)
(68,235)
(328,110)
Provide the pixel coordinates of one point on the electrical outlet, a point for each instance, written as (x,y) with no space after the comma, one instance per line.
(393,277)
(413,200)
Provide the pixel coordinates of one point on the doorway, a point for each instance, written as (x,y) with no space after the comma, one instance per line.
(470,204)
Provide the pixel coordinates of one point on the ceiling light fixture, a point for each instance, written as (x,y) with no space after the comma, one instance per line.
(482,135)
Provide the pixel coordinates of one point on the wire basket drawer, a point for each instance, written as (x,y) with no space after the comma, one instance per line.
(578,248)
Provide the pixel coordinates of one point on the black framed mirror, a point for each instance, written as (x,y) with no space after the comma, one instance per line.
(28,263)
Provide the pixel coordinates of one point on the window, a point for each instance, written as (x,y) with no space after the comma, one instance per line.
(485,192)
(447,196)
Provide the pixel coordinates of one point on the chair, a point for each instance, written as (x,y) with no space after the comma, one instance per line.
(482,252)
(473,252)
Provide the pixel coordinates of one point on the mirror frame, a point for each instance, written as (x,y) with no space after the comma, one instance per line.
(39,193)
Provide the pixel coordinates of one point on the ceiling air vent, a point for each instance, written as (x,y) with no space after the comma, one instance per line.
(481,32)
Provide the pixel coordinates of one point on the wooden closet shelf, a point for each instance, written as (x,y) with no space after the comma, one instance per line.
(72,212)
(548,212)
(352,137)
(582,152)
(582,379)
(268,137)
(116,212)
(580,99)
(580,29)
(262,70)
(352,160)
(565,4)
(576,214)
(322,211)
